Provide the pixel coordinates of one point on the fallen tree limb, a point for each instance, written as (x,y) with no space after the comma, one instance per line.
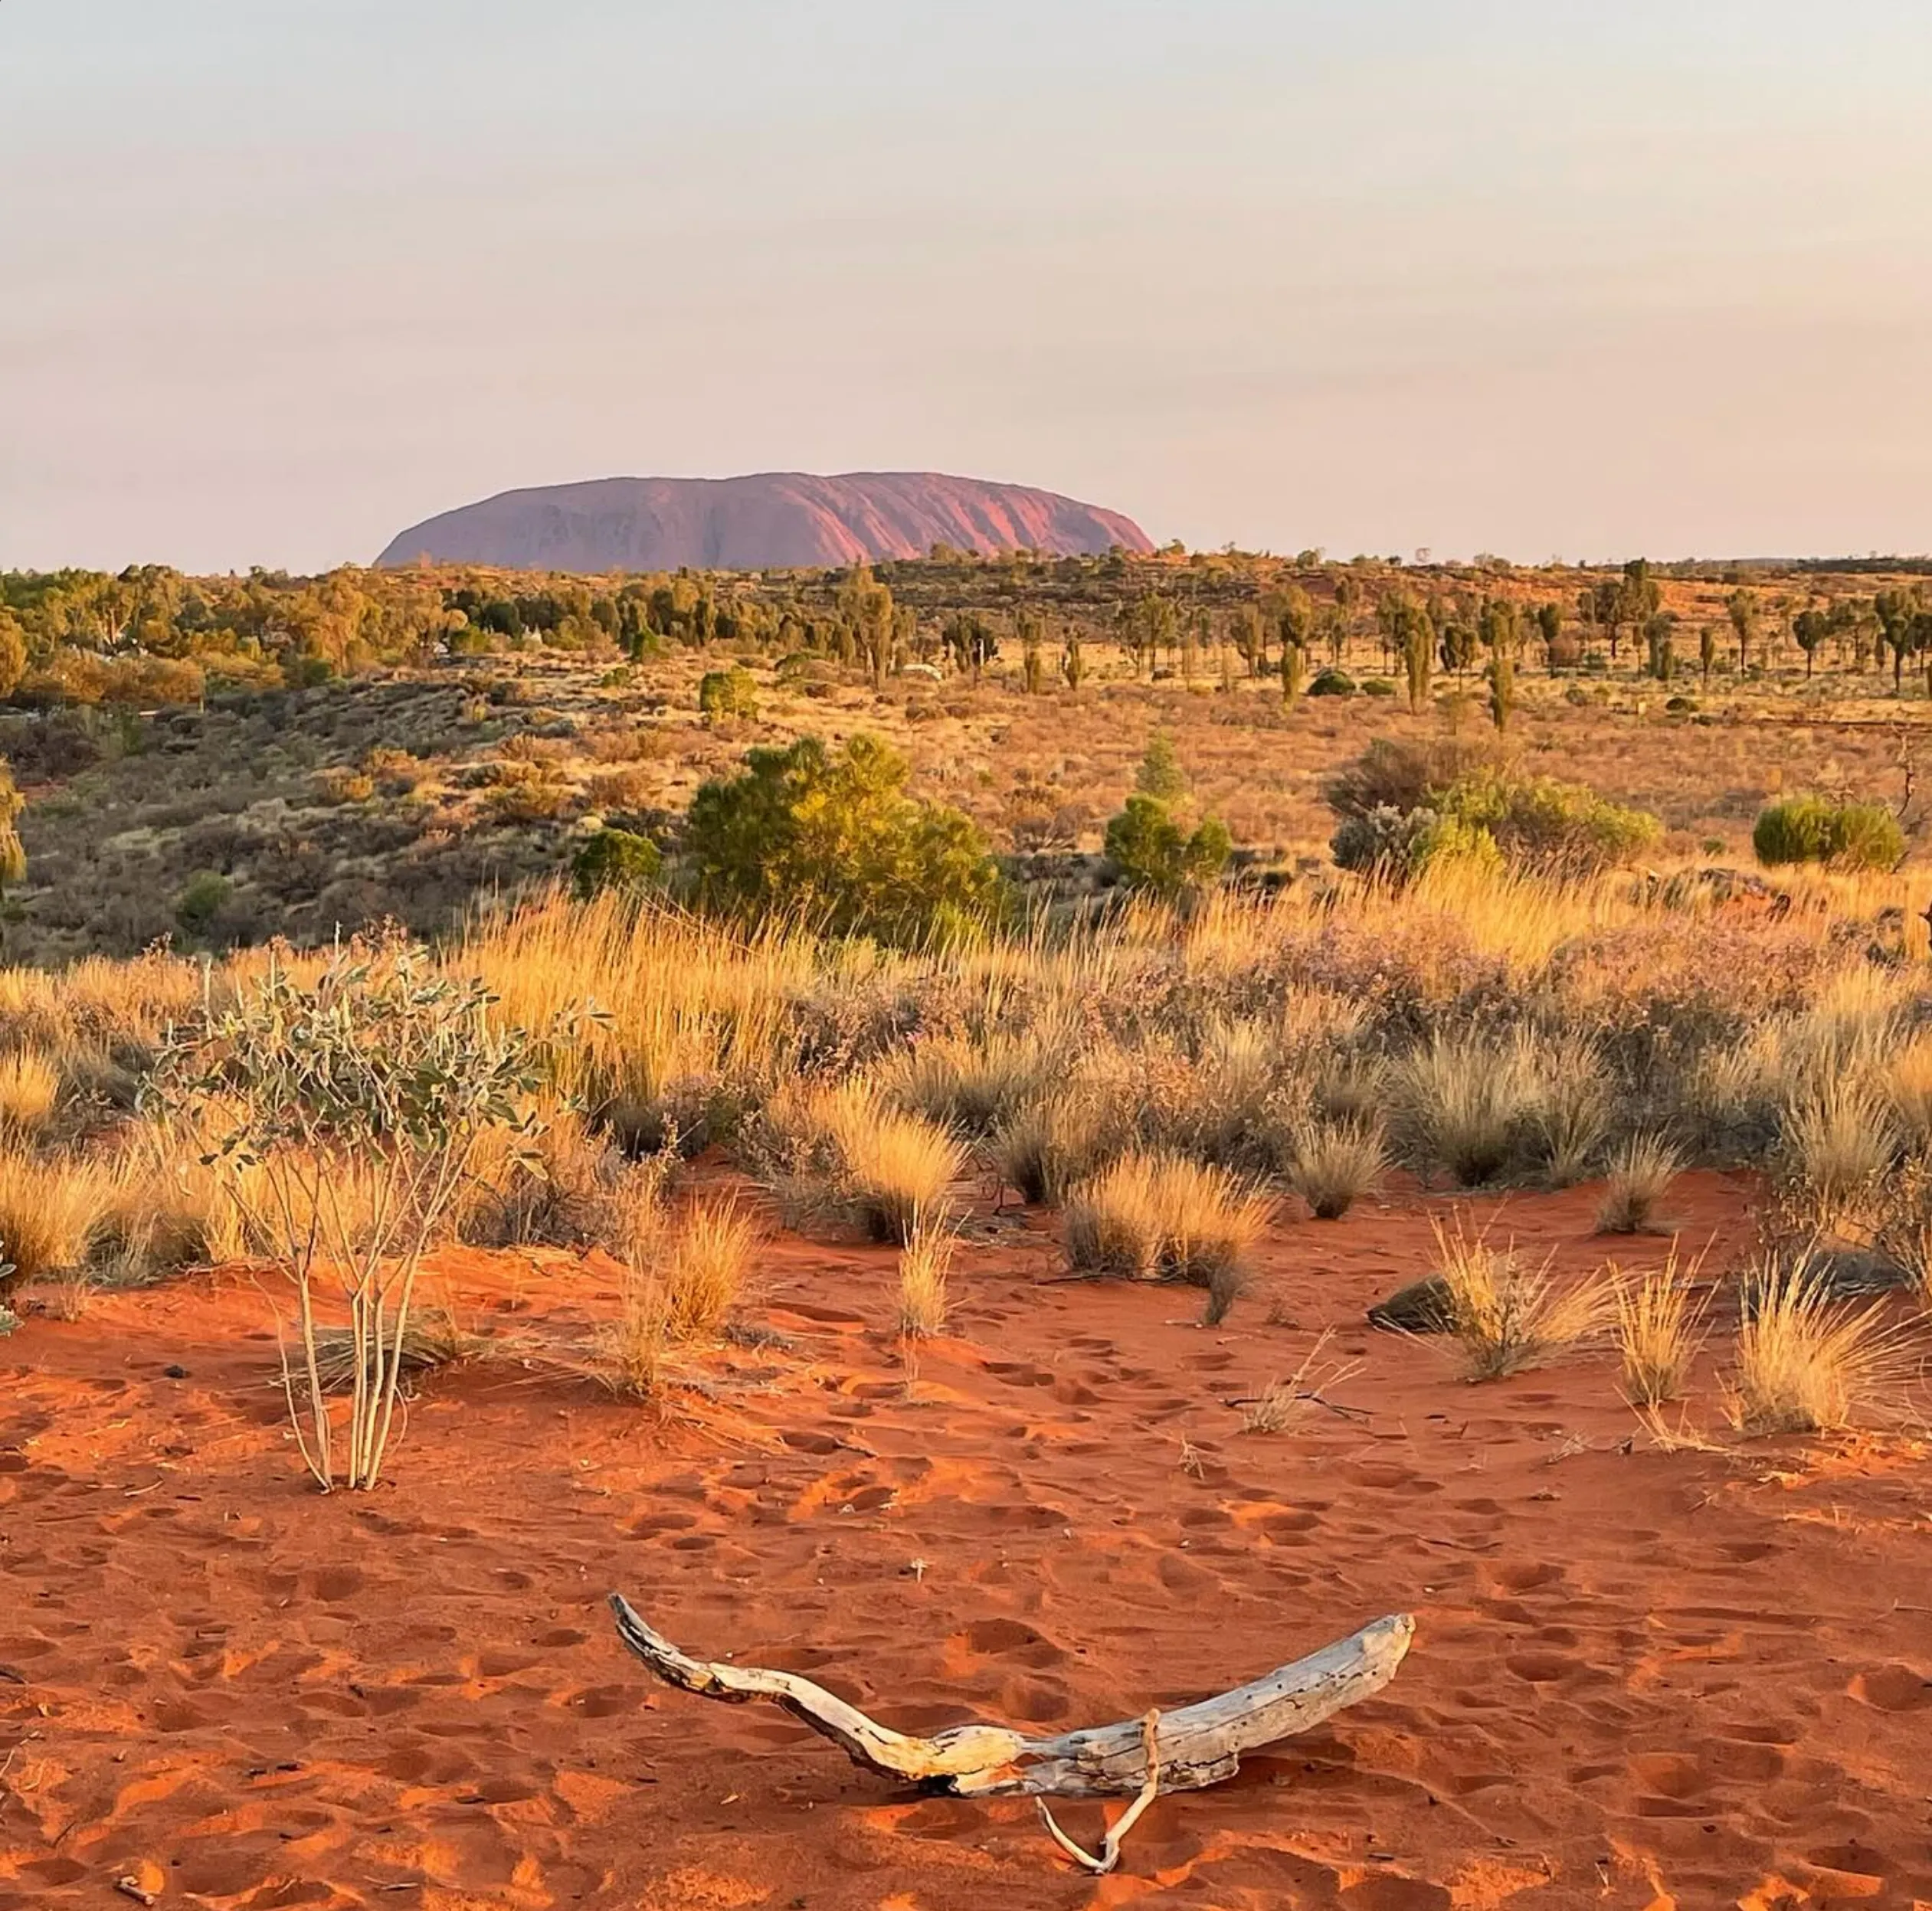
(1200,1745)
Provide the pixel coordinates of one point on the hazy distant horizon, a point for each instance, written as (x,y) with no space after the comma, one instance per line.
(1375,275)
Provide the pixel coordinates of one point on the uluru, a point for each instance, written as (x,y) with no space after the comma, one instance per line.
(773,520)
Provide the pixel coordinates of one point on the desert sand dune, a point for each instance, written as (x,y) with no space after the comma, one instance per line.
(1641,1679)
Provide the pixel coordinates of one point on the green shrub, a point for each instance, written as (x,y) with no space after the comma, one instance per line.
(1398,845)
(1332,683)
(1544,824)
(201,899)
(836,839)
(1154,853)
(1810,829)
(615,860)
(1377,687)
(729,693)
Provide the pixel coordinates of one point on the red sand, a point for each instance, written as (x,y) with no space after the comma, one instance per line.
(1641,1679)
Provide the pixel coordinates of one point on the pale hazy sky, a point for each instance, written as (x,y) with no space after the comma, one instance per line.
(1585,277)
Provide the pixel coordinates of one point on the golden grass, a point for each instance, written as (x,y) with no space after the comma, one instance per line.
(49,1209)
(1509,1314)
(1838,1144)
(1164,1217)
(972,1086)
(1660,1326)
(1571,1105)
(632,1352)
(1463,1101)
(1333,1164)
(895,1167)
(1804,1362)
(925,1268)
(1642,1171)
(709,1255)
(30,1085)
(1046,1147)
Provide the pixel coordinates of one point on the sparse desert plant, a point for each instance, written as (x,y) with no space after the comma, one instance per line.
(633,1349)
(1660,1323)
(895,1167)
(1642,1174)
(1838,1144)
(709,1253)
(924,1266)
(1114,1226)
(30,1085)
(1904,1232)
(380,1073)
(1908,1086)
(1804,1362)
(1508,1314)
(1462,1101)
(1284,1403)
(1333,1164)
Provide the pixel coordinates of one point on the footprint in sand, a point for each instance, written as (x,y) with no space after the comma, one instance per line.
(1893,1688)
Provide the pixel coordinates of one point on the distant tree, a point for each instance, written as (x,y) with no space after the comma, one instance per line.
(1706,653)
(1808,630)
(1073,666)
(1033,667)
(1418,654)
(866,606)
(1897,612)
(1549,624)
(1246,632)
(1500,628)
(1742,606)
(1660,642)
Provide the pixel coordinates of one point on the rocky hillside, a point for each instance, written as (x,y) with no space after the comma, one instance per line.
(776,520)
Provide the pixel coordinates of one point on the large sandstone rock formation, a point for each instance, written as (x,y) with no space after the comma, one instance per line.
(777,520)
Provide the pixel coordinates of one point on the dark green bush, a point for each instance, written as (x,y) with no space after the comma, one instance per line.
(202,898)
(836,840)
(1541,823)
(1152,852)
(1377,687)
(1398,845)
(1332,683)
(615,860)
(1813,829)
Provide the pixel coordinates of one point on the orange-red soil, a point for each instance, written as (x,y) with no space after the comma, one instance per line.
(1641,1678)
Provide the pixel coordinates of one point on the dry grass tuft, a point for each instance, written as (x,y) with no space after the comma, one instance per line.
(1839,1143)
(50,1211)
(1163,1217)
(970,1086)
(431,1339)
(1463,1102)
(925,1264)
(710,1252)
(1334,1163)
(895,1167)
(1509,1315)
(1571,1105)
(1044,1148)
(633,1352)
(1805,1363)
(30,1086)
(1660,1321)
(1286,1403)
(1641,1174)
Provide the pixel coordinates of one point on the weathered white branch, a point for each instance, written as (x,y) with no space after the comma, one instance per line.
(1200,1745)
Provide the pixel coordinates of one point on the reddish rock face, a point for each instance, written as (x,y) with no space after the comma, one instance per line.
(779,520)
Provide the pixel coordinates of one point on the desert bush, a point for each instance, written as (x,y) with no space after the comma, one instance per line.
(379,1071)
(201,901)
(1813,829)
(1152,852)
(1804,1362)
(729,693)
(615,860)
(1507,1315)
(1332,683)
(1641,1172)
(1398,846)
(925,1265)
(1541,823)
(1660,1330)
(1333,1164)
(835,841)
(1392,773)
